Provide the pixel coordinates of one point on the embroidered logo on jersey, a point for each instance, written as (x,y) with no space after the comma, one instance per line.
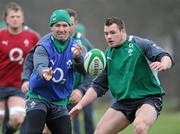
(52,62)
(109,58)
(59,76)
(130,50)
(78,41)
(16,54)
(58,72)
(69,64)
(26,43)
(5,42)
(154,45)
(32,104)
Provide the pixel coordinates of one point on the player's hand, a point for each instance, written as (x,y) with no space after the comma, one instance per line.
(76,96)
(48,74)
(76,109)
(157,66)
(24,86)
(77,50)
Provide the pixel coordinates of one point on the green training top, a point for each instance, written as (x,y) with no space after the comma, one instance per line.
(135,78)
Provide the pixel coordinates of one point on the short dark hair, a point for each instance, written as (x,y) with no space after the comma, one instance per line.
(115,20)
(11,6)
(72,13)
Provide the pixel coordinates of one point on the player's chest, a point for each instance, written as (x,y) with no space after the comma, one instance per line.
(8,44)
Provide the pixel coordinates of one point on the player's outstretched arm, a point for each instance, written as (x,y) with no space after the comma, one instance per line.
(89,97)
(164,64)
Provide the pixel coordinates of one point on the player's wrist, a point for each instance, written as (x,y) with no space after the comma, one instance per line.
(79,107)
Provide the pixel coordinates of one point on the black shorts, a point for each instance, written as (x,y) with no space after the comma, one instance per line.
(6,92)
(129,107)
(52,111)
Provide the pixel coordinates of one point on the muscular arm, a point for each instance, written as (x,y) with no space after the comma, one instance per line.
(164,64)
(161,60)
(89,97)
(98,88)
(100,83)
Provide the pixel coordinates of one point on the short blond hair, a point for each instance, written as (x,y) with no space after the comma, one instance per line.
(11,6)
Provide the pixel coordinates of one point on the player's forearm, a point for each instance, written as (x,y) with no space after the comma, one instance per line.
(79,65)
(89,97)
(167,62)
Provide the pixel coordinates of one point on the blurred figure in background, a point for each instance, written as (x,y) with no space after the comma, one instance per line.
(15,42)
(80,28)
(81,84)
(129,75)
(2,24)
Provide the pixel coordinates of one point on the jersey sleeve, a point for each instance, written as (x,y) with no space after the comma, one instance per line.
(151,50)
(100,83)
(28,66)
(40,59)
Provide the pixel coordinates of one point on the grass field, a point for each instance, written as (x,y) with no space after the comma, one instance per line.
(167,123)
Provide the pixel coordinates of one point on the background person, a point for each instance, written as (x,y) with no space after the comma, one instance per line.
(15,43)
(131,80)
(82,82)
(2,24)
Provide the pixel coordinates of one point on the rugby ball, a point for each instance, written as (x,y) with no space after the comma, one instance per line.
(94,61)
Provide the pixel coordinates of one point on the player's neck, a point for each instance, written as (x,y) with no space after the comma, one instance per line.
(15,30)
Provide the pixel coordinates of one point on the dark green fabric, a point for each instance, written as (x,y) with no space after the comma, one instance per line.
(2,24)
(86,46)
(83,41)
(33,95)
(77,80)
(60,46)
(135,78)
(59,15)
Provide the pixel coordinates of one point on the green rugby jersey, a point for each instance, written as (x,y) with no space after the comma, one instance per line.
(128,74)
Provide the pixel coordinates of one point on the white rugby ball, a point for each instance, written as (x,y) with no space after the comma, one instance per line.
(94,61)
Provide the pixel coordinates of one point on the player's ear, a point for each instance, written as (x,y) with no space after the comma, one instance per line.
(123,30)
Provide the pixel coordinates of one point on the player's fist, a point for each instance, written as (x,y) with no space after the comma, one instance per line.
(48,73)
(77,50)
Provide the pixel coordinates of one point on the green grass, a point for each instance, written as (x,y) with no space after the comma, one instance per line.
(167,123)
